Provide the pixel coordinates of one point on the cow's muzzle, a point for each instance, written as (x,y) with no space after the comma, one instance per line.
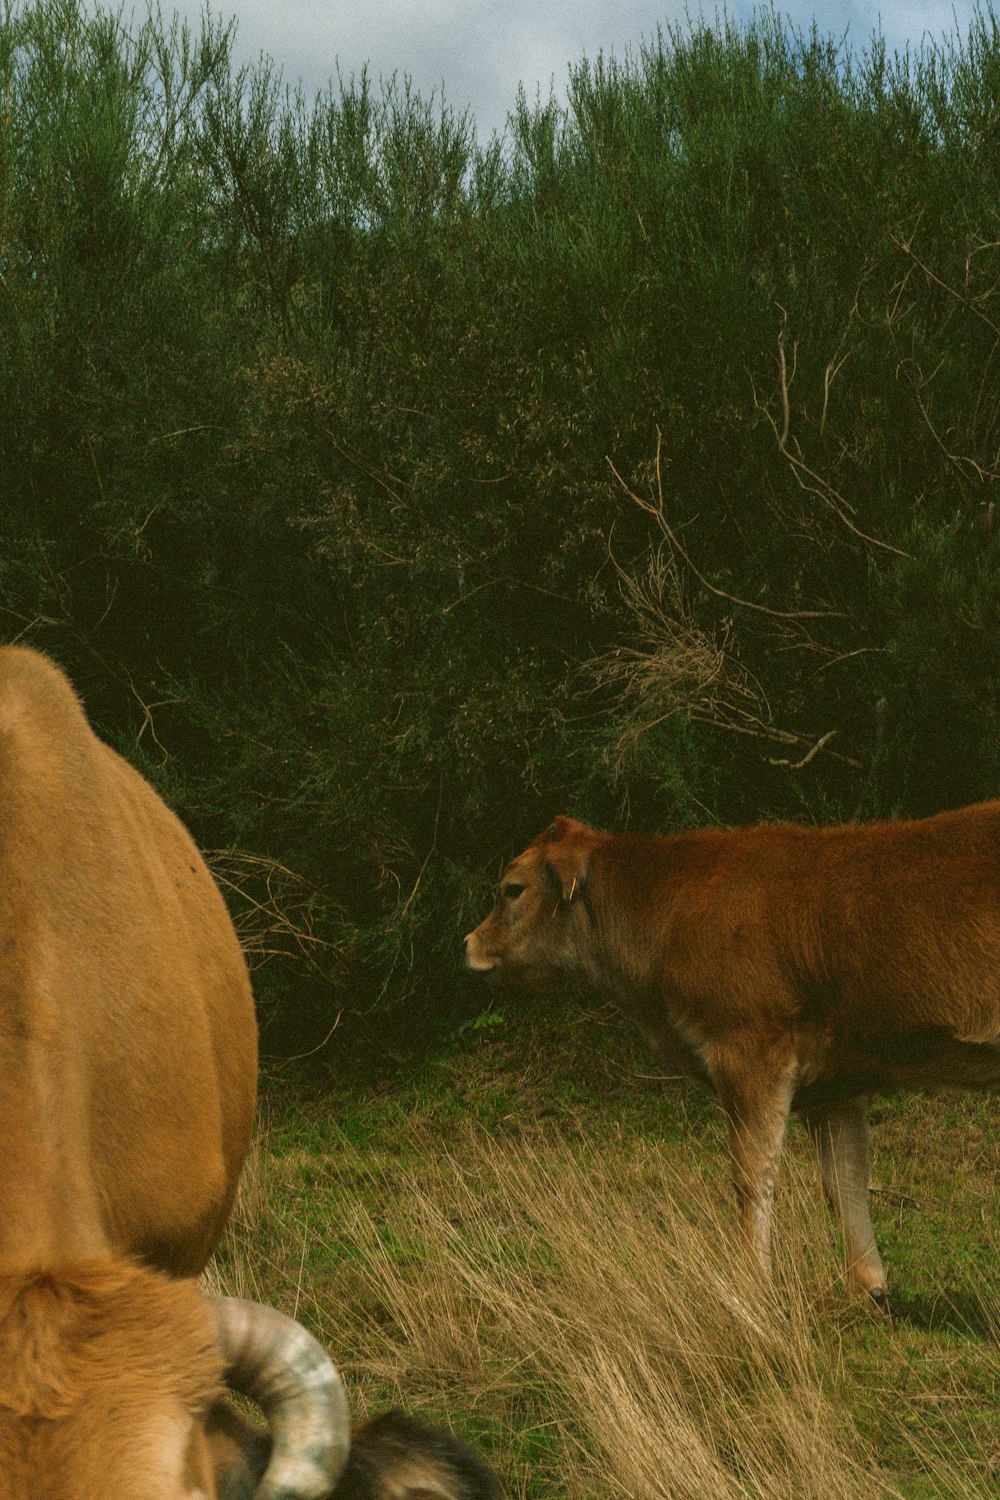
(475,958)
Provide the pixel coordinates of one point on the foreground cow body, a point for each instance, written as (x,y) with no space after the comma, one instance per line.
(128,1061)
(786,967)
(128,1070)
(128,1046)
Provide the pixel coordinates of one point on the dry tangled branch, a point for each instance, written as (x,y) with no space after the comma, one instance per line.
(673,665)
(274,910)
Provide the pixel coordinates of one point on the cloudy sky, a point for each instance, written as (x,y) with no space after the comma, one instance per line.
(481,49)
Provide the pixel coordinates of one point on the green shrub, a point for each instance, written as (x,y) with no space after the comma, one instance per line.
(386,491)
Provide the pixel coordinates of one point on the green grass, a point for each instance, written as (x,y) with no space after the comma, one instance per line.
(444,1225)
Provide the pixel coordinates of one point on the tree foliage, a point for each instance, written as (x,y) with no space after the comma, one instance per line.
(386,492)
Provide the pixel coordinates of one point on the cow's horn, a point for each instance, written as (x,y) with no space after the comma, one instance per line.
(273,1360)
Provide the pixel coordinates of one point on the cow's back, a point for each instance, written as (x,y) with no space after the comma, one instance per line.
(127,1035)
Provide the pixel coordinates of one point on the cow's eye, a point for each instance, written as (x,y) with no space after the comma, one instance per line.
(511,890)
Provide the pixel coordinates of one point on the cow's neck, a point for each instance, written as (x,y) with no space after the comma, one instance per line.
(629,912)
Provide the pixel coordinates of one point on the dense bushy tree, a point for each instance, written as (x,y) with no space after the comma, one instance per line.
(386,492)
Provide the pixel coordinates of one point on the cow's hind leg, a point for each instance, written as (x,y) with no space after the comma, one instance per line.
(754,1081)
(840,1132)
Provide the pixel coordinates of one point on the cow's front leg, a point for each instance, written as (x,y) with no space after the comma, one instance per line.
(840,1132)
(755,1081)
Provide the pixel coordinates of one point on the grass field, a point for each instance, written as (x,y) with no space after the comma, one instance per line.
(529,1238)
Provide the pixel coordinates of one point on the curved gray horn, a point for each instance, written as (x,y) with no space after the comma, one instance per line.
(274,1361)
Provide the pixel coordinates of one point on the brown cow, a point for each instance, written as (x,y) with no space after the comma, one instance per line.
(128,1063)
(128,1070)
(128,1045)
(785,967)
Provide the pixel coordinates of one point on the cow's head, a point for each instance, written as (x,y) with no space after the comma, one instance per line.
(112,1382)
(535,930)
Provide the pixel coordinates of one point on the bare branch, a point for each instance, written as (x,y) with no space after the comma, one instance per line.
(968,302)
(806,477)
(657,512)
(675,666)
(798,764)
(785,405)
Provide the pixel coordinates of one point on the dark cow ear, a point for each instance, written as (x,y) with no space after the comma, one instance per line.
(563,827)
(567,869)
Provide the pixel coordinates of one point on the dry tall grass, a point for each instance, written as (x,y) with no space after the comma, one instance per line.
(583,1305)
(603,1295)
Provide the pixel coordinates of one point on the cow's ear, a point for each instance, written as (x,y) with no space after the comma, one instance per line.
(567,867)
(562,827)
(237,1451)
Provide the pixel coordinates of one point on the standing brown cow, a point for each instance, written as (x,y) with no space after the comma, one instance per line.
(785,967)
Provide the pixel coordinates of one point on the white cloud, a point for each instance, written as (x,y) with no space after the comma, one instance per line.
(481,50)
